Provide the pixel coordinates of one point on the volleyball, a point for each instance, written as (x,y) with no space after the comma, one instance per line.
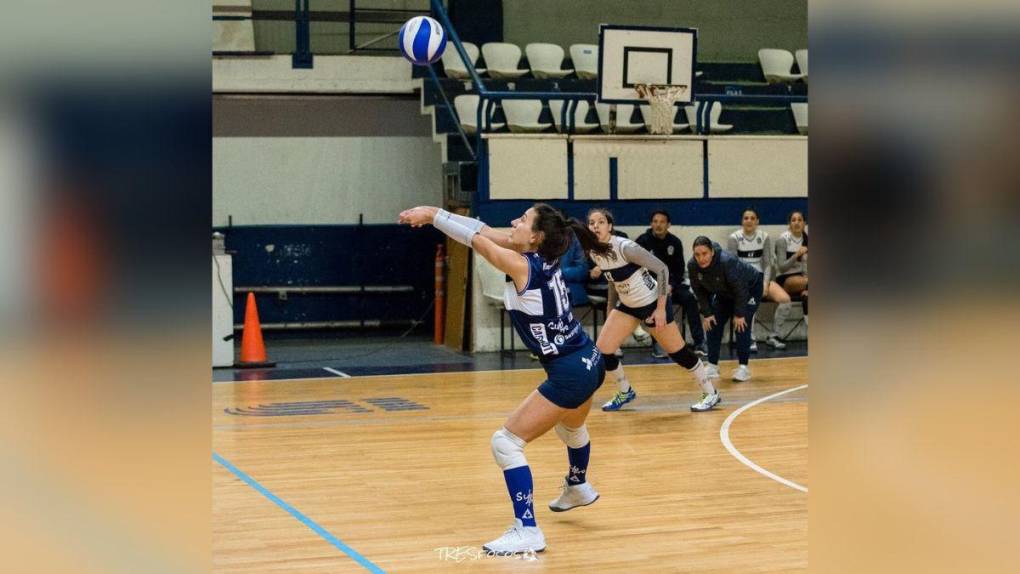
(422,40)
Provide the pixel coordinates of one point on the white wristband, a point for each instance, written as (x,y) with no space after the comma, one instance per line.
(445,221)
(469,222)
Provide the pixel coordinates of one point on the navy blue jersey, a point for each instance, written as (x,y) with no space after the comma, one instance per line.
(541,312)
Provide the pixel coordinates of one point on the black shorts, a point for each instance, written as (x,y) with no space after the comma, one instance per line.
(574,378)
(782,278)
(645,313)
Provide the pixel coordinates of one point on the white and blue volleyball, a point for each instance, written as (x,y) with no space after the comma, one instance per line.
(422,40)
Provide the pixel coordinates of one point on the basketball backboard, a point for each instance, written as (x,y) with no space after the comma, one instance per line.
(630,55)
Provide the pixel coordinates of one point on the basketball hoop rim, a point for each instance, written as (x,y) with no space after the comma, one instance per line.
(668,87)
(643,85)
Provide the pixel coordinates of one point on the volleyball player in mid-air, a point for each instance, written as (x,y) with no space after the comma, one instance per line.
(539,306)
(635,296)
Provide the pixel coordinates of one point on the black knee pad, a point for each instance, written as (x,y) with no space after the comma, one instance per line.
(612,361)
(685,358)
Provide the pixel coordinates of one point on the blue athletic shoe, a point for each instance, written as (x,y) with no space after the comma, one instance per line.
(621,398)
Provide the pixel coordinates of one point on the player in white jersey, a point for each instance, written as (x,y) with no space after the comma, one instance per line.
(636,296)
(791,259)
(754,247)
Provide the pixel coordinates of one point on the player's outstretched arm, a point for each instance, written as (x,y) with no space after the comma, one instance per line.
(470,232)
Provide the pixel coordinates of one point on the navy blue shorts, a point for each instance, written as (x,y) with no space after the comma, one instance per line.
(645,313)
(782,278)
(574,378)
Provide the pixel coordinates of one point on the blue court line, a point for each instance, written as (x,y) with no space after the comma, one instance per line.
(325,534)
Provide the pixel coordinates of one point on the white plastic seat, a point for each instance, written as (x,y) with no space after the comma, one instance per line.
(646,114)
(800,111)
(586,60)
(623,114)
(493,284)
(546,60)
(777,65)
(467,111)
(454,66)
(522,115)
(713,119)
(502,59)
(580,113)
(802,63)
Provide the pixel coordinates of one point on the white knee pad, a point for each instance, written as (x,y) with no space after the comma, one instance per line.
(573,438)
(508,449)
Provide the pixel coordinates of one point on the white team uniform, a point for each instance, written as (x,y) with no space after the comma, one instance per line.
(756,250)
(634,284)
(793,245)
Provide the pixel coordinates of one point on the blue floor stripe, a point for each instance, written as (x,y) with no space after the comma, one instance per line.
(325,534)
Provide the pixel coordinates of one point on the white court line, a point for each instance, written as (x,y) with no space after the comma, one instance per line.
(724,435)
(336,372)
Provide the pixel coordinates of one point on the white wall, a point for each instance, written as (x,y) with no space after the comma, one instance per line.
(648,167)
(321,159)
(322,180)
(532,167)
(758,166)
(331,74)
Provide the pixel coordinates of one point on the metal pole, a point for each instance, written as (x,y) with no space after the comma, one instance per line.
(351,26)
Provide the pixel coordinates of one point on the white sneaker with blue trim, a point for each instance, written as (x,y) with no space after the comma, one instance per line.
(517,539)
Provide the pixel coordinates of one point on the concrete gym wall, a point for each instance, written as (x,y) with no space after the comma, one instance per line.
(328,37)
(321,160)
(727,31)
(738,167)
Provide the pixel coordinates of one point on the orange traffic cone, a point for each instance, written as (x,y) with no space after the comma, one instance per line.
(253,350)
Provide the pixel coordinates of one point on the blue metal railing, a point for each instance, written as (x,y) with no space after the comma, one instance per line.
(450,111)
(487,98)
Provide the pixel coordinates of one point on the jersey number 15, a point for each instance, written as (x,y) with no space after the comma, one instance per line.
(560,293)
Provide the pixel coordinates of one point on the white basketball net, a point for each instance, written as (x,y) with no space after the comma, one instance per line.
(661,100)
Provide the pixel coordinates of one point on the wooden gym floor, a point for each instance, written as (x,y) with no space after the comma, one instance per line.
(394,474)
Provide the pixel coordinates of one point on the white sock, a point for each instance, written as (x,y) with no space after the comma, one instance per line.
(700,373)
(782,312)
(621,379)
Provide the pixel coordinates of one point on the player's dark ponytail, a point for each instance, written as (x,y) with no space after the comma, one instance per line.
(589,241)
(556,231)
(789,218)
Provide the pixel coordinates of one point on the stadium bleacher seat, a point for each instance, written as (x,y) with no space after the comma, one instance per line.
(800,116)
(623,114)
(713,119)
(467,111)
(493,285)
(777,65)
(546,60)
(580,116)
(522,115)
(646,114)
(454,66)
(802,63)
(502,60)
(586,60)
